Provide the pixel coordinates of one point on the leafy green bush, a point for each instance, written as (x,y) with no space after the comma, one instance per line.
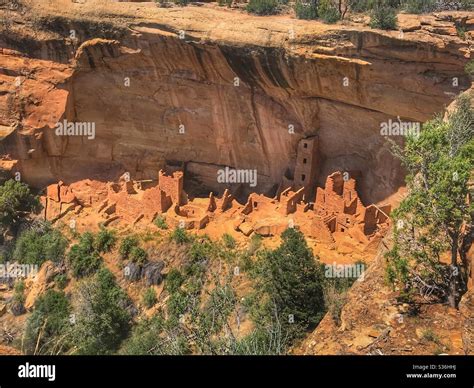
(470,69)
(255,243)
(153,337)
(160,222)
(328,11)
(335,294)
(138,255)
(389,3)
(335,301)
(397,268)
(263,341)
(383,17)
(105,240)
(126,246)
(83,258)
(61,281)
(178,303)
(83,264)
(149,297)
(360,5)
(192,269)
(174,280)
(180,236)
(182,3)
(17,306)
(228,3)
(430,335)
(229,241)
(16,202)
(36,245)
(217,309)
(461,31)
(467,5)
(48,323)
(145,337)
(369,5)
(263,7)
(419,6)
(202,250)
(293,281)
(306,10)
(86,242)
(245,262)
(424,6)
(19,292)
(102,317)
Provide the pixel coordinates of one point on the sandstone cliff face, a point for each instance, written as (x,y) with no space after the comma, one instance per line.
(228,94)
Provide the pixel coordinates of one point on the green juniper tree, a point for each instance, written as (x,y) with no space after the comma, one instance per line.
(102,319)
(306,9)
(16,203)
(48,326)
(262,7)
(433,216)
(83,258)
(38,243)
(383,17)
(289,284)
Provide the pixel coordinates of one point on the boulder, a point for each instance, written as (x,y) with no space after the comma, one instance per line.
(152,273)
(246,228)
(41,282)
(132,272)
(17,308)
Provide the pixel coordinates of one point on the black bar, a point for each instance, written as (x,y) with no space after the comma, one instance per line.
(310,371)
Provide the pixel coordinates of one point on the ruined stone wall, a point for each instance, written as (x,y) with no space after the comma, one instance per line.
(290,199)
(172,186)
(339,207)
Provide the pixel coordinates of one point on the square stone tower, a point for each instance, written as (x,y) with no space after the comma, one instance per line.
(307,165)
(172,185)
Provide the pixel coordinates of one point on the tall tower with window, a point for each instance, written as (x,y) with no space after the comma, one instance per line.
(307,164)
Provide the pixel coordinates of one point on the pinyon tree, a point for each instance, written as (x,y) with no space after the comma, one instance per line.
(435,215)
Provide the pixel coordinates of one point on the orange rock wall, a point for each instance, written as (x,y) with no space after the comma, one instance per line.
(182,103)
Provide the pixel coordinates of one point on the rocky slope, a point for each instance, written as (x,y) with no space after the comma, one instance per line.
(142,73)
(374,322)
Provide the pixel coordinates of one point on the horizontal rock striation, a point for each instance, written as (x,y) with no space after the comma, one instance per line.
(207,88)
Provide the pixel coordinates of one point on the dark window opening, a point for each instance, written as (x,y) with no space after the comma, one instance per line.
(303,177)
(304,161)
(305,145)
